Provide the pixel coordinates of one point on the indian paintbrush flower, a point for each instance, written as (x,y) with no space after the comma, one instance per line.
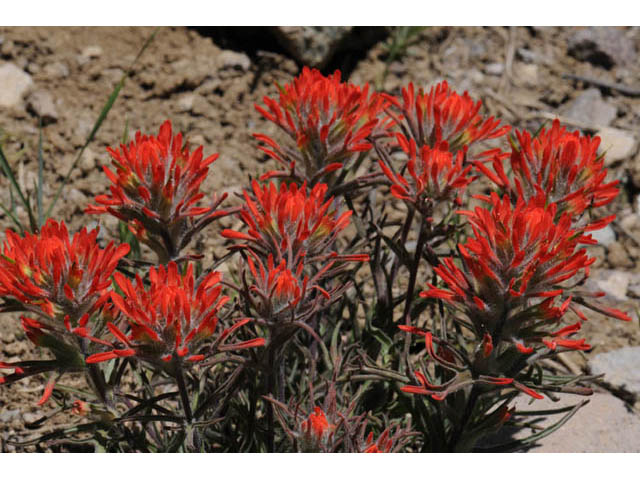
(435,174)
(565,166)
(329,122)
(171,318)
(56,274)
(155,190)
(442,115)
(292,224)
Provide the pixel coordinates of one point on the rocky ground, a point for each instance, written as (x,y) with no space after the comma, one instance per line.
(207,80)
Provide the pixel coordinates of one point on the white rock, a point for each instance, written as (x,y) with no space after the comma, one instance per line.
(185,102)
(620,368)
(605,236)
(602,425)
(56,70)
(14,84)
(228,59)
(494,69)
(613,282)
(92,51)
(616,144)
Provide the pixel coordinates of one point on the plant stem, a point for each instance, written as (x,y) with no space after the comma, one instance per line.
(184,394)
(466,416)
(413,274)
(270,390)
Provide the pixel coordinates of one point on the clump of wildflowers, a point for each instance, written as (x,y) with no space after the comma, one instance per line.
(435,174)
(442,115)
(155,189)
(170,318)
(564,166)
(56,274)
(329,122)
(292,223)
(331,429)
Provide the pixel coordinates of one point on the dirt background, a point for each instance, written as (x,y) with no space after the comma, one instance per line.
(207,81)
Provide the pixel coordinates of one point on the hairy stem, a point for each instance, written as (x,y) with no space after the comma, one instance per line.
(184,394)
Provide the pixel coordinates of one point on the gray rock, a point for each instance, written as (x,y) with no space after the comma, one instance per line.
(8,416)
(629,221)
(15,84)
(77,198)
(603,46)
(30,417)
(602,425)
(613,282)
(228,59)
(41,104)
(616,144)
(588,107)
(605,236)
(529,56)
(89,161)
(620,368)
(633,290)
(494,69)
(313,46)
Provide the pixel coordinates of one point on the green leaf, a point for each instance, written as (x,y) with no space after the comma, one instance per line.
(6,168)
(40,175)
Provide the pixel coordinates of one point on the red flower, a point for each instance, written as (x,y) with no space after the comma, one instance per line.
(382,445)
(565,166)
(278,292)
(57,274)
(436,174)
(517,255)
(316,425)
(155,187)
(171,317)
(329,121)
(444,116)
(292,224)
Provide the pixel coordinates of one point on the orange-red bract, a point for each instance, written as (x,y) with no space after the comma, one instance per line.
(328,120)
(171,317)
(56,272)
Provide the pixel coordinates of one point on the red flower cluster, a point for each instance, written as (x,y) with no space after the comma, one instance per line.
(442,115)
(565,166)
(436,175)
(155,189)
(290,237)
(171,317)
(329,121)
(56,274)
(316,426)
(290,223)
(279,292)
(517,255)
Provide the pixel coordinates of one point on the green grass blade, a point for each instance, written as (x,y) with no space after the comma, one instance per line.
(6,168)
(12,217)
(103,115)
(40,176)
